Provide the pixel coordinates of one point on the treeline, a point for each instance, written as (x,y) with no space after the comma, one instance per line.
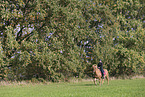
(59,39)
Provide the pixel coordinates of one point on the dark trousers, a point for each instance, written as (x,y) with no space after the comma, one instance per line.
(102,71)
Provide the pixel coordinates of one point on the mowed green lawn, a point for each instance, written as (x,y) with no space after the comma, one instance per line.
(116,88)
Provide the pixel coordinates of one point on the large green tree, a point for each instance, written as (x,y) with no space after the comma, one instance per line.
(58,39)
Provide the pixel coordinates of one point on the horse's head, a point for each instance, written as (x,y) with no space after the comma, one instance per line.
(94,68)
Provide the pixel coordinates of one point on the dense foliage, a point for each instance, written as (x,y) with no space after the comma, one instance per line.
(58,39)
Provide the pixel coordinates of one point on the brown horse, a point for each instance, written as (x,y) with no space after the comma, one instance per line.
(98,75)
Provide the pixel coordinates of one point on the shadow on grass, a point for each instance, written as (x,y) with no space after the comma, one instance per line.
(83,85)
(88,84)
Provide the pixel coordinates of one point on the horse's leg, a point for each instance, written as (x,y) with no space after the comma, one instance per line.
(100,81)
(107,77)
(95,81)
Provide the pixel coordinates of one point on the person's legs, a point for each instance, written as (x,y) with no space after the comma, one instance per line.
(102,71)
(103,75)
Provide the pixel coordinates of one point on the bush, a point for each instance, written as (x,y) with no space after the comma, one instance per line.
(34,80)
(144,72)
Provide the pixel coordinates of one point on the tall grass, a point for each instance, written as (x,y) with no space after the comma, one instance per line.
(116,88)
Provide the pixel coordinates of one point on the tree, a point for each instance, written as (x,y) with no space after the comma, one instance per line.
(58,39)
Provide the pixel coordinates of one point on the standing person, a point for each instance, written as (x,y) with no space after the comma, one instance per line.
(100,66)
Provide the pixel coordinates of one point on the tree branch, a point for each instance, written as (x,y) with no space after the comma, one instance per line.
(26,36)
(19,34)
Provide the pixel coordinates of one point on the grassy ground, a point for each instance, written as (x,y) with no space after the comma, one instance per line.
(117,88)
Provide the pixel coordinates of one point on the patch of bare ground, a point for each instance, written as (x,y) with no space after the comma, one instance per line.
(21,83)
(127,77)
(75,80)
(72,80)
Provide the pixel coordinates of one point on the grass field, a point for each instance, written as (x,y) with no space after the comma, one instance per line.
(116,88)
